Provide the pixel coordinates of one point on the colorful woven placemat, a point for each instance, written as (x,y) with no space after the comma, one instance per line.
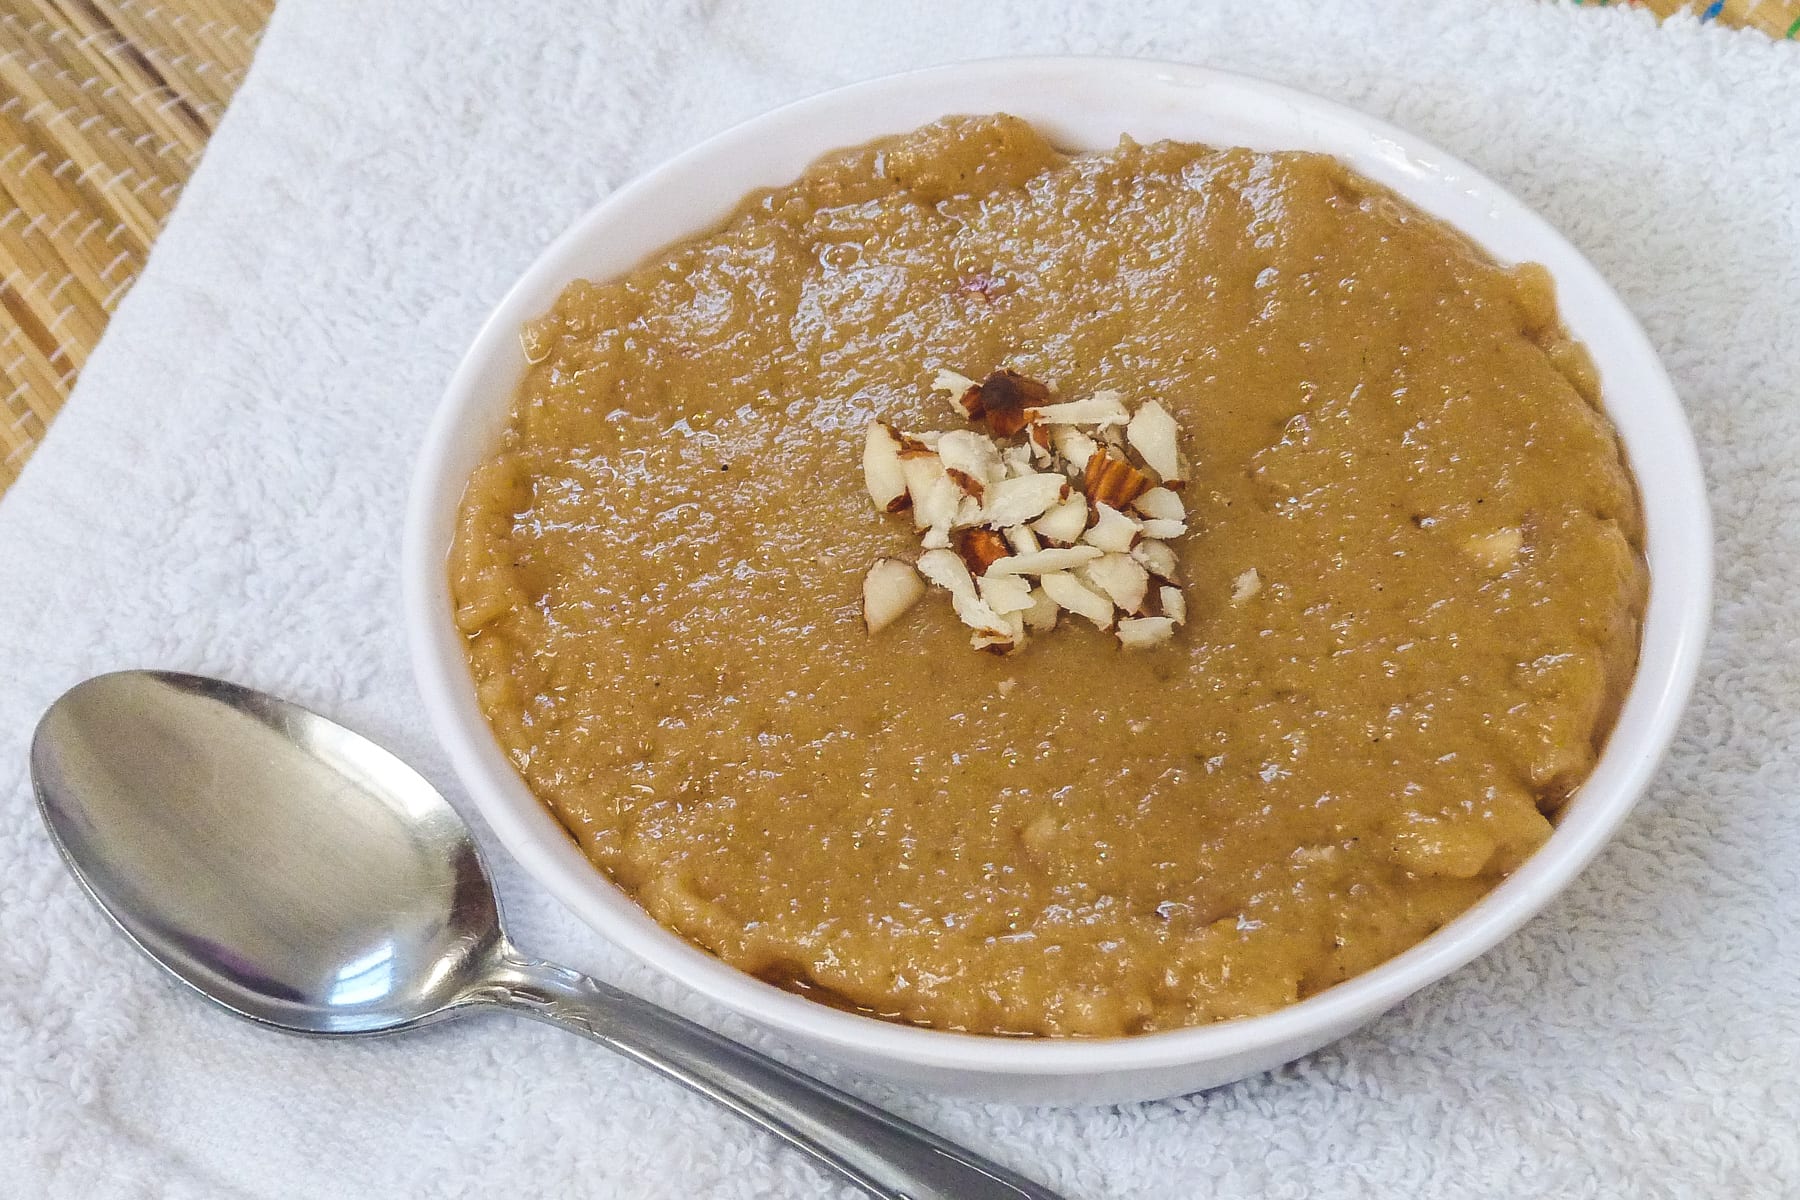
(105,106)
(1777,18)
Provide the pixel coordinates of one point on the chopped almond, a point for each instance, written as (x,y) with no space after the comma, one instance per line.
(1041,616)
(980,549)
(965,393)
(1112,530)
(1045,560)
(882,473)
(1174,604)
(935,495)
(1110,480)
(944,569)
(1160,504)
(1004,640)
(1157,558)
(1070,593)
(1068,517)
(1141,633)
(1017,501)
(971,487)
(1006,398)
(1021,539)
(922,445)
(1120,578)
(1152,434)
(1245,586)
(1005,593)
(1102,409)
(1065,522)
(971,459)
(890,588)
(1072,446)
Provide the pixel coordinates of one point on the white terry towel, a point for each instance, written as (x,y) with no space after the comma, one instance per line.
(223,494)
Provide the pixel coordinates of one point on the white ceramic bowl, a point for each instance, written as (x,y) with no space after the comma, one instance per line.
(1080,104)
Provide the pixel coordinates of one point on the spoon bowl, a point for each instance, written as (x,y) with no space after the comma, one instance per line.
(174,797)
(301,876)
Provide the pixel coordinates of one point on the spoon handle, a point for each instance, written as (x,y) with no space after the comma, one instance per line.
(890,1158)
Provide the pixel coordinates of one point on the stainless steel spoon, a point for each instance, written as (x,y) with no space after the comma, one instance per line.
(303,877)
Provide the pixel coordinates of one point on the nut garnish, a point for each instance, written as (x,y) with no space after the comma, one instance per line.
(1059,506)
(882,473)
(1006,398)
(1152,434)
(1063,523)
(1174,604)
(1120,578)
(1140,633)
(981,549)
(890,588)
(1109,479)
(1160,504)
(1245,586)
(1113,530)
(1070,593)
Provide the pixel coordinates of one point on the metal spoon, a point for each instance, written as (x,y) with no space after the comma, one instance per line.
(303,877)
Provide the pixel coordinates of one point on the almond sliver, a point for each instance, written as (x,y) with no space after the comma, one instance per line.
(1073,446)
(1102,409)
(1112,531)
(1041,616)
(1065,522)
(924,474)
(980,549)
(965,393)
(1157,558)
(1021,539)
(1152,434)
(1004,640)
(1120,578)
(890,588)
(1017,501)
(1160,504)
(1109,479)
(1045,561)
(882,471)
(1174,604)
(974,456)
(944,569)
(1141,633)
(1070,593)
(1005,593)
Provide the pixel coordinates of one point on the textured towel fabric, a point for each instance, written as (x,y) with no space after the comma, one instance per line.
(224,495)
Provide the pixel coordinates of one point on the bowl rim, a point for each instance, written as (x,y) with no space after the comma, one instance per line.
(1662,455)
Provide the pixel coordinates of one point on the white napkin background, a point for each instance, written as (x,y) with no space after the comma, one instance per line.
(224,493)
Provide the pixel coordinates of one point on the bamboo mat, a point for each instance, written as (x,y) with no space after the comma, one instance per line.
(105,106)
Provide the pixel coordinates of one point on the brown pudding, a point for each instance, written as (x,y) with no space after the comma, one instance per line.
(659,576)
